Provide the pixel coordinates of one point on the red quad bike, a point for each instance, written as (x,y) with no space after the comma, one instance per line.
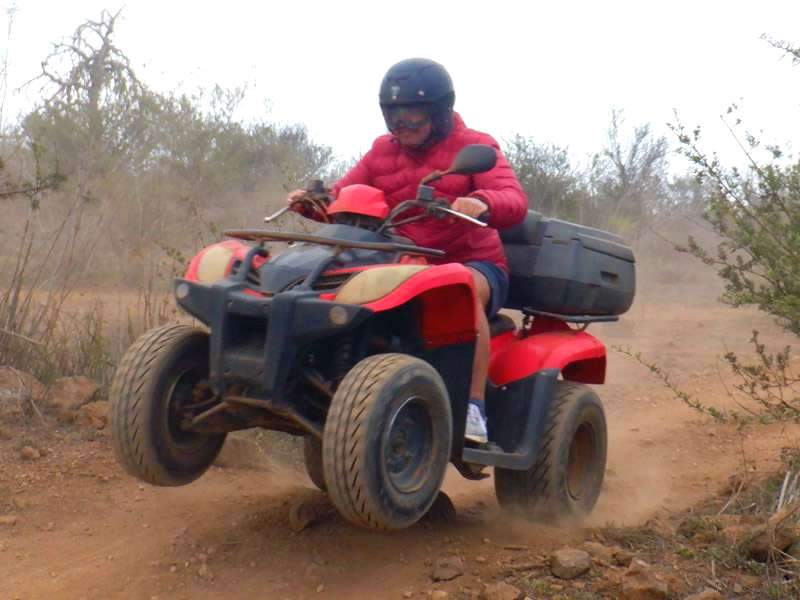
(352,339)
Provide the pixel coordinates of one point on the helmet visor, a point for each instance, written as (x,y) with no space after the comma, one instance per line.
(407,117)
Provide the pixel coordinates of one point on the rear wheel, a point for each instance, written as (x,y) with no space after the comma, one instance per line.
(387,441)
(161,382)
(566,478)
(312,455)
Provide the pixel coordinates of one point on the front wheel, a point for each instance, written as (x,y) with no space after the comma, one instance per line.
(387,440)
(160,383)
(565,480)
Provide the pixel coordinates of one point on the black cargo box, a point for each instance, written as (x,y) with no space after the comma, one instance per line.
(569,269)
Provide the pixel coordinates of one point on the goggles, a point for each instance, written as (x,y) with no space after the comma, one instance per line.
(407,118)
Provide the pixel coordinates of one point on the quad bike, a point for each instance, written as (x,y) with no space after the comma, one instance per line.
(351,338)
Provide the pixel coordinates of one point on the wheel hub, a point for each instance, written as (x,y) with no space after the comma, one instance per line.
(408,445)
(581,455)
(187,395)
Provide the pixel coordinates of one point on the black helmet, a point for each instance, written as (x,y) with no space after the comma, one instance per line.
(423,83)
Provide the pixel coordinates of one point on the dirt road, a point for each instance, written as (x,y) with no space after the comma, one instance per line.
(86,530)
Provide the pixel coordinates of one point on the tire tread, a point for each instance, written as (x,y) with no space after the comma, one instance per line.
(129,394)
(531,490)
(345,439)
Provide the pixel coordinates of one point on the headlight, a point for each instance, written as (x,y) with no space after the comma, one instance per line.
(182,291)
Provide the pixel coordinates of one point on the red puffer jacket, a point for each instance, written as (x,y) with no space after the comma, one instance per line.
(397,171)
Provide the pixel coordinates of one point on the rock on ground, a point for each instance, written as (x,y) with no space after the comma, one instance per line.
(29,453)
(641,582)
(569,563)
(611,555)
(67,394)
(95,414)
(767,540)
(599,551)
(500,591)
(448,568)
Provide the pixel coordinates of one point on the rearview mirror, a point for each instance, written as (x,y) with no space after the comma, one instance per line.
(475,158)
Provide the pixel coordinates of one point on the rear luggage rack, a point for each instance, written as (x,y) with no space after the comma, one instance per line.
(579,319)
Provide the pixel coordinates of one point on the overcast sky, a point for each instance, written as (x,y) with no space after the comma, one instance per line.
(550,70)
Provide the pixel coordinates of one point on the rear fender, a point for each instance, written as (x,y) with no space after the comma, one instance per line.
(578,355)
(447,304)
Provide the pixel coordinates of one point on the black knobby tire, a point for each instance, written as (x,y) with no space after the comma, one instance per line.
(312,456)
(387,441)
(565,480)
(161,373)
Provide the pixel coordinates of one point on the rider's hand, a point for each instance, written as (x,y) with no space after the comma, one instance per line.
(292,201)
(472,207)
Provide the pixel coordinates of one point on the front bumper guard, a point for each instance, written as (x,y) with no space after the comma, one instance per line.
(255,339)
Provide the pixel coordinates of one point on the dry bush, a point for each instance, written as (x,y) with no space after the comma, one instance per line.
(146,180)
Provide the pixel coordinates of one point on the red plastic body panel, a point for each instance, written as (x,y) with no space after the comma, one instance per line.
(360,199)
(239,248)
(578,355)
(448,303)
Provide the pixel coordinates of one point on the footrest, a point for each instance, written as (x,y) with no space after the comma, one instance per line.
(524,454)
(496,458)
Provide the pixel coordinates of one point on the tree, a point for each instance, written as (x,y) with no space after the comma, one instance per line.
(96,113)
(629,180)
(154,163)
(551,183)
(29,182)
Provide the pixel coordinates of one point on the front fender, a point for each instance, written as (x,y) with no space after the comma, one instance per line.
(578,355)
(447,303)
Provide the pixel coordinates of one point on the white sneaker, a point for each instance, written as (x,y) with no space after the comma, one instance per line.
(476,425)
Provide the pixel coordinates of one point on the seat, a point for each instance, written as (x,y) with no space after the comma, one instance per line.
(527,233)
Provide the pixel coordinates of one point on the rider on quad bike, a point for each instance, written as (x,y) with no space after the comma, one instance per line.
(356,336)
(425,134)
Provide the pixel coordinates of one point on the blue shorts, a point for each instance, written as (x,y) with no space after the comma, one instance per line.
(498,284)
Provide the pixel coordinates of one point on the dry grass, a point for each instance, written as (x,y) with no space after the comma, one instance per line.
(50,325)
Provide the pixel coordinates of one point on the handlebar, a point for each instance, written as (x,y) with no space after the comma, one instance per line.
(481,221)
(430,205)
(277,214)
(425,201)
(316,196)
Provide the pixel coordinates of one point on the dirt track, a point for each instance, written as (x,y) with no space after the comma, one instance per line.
(86,530)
